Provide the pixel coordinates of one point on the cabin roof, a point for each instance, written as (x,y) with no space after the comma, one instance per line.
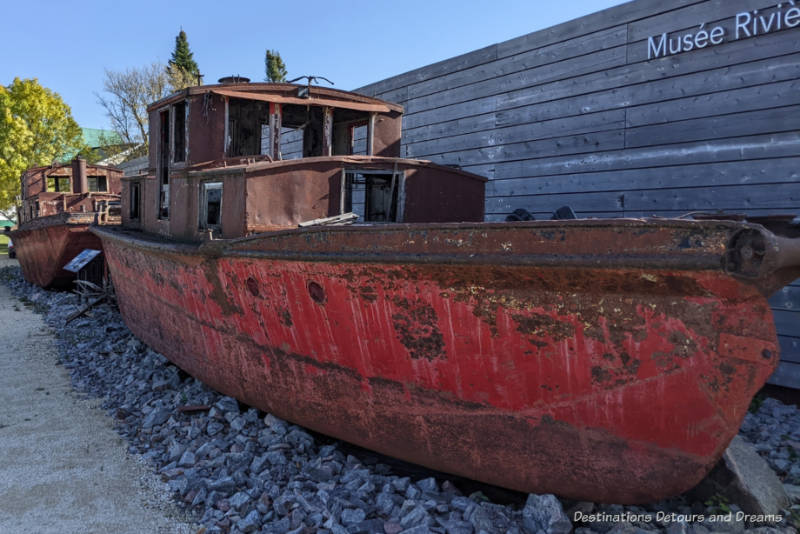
(285,93)
(245,164)
(55,167)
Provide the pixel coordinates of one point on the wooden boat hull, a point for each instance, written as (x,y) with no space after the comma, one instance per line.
(529,356)
(47,244)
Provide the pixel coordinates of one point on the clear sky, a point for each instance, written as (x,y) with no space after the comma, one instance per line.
(67,45)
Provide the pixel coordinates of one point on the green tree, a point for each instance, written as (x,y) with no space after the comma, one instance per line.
(182,69)
(36,128)
(273,64)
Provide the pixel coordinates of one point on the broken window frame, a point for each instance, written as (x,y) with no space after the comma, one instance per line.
(396,208)
(179,132)
(162,178)
(97,179)
(205,187)
(134,200)
(236,144)
(58,180)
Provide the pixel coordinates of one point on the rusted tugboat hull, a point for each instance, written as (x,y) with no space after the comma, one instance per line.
(46,245)
(534,356)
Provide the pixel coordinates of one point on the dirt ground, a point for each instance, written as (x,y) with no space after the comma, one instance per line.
(62,467)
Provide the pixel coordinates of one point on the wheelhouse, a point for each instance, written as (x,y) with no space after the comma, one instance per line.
(234,159)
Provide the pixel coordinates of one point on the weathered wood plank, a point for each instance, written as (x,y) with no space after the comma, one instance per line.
(716,150)
(524,60)
(633,85)
(787,322)
(787,299)
(768,95)
(708,174)
(597,122)
(728,198)
(602,20)
(709,71)
(782,119)
(594,62)
(692,16)
(575,144)
(786,375)
(623,14)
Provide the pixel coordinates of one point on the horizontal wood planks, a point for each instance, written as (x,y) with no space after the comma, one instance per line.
(578,115)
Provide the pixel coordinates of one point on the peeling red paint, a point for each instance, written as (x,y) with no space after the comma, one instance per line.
(600,381)
(44,249)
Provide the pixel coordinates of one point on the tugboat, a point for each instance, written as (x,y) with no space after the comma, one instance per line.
(59,204)
(605,360)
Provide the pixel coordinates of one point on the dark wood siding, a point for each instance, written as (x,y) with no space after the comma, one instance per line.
(577,115)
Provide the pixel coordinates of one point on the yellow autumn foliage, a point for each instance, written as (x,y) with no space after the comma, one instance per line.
(36,128)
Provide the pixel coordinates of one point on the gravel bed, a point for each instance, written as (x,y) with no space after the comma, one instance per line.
(237,469)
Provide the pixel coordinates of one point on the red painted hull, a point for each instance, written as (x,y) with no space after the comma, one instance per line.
(529,356)
(45,246)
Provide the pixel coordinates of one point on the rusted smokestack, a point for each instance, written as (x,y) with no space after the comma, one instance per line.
(80,182)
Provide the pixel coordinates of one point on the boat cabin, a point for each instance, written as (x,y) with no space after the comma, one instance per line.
(234,159)
(74,187)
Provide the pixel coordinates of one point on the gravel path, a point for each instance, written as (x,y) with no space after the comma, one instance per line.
(241,470)
(62,466)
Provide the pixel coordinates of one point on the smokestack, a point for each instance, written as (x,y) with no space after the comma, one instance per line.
(80,182)
(234,79)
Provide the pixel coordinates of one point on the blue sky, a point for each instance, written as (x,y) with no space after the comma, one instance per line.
(68,45)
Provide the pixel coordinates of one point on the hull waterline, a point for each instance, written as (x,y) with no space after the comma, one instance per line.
(527,356)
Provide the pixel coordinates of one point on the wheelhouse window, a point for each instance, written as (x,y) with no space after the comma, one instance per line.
(246,120)
(179,132)
(97,184)
(59,184)
(163,167)
(134,200)
(373,196)
(210,205)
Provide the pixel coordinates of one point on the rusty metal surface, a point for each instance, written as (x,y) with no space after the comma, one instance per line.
(46,245)
(288,90)
(592,374)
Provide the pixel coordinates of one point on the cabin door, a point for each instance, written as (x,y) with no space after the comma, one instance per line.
(374,196)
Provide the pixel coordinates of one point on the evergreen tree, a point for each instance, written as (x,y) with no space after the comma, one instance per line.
(275,68)
(182,65)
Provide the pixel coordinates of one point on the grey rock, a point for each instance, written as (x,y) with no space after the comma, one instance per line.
(156,417)
(187,459)
(258,464)
(175,451)
(384,503)
(227,404)
(178,485)
(250,522)
(545,513)
(239,500)
(419,529)
(214,428)
(275,458)
(222,484)
(428,485)
(416,516)
(743,477)
(351,516)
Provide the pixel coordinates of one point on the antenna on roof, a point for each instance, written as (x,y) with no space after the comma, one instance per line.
(305,92)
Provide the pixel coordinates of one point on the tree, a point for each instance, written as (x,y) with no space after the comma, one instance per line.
(276,70)
(182,69)
(36,128)
(128,95)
